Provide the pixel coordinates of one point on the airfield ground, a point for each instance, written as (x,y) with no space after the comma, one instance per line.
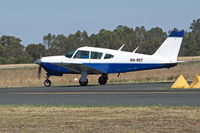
(78,119)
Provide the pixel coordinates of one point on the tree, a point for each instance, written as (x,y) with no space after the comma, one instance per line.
(12,50)
(36,51)
(195,25)
(191,41)
(152,40)
(9,40)
(49,40)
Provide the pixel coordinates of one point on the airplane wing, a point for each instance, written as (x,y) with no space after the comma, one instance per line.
(78,68)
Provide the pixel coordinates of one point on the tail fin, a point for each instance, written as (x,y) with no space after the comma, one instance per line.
(171,46)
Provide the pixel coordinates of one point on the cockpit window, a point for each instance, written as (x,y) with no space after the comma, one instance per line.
(80,54)
(108,56)
(96,55)
(70,53)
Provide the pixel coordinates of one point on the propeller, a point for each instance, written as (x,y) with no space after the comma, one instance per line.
(38,61)
(39,71)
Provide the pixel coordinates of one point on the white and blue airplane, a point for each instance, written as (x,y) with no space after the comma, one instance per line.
(91,60)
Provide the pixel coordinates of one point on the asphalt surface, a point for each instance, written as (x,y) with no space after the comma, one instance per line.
(106,95)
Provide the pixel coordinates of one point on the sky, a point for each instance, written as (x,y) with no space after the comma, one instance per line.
(30,20)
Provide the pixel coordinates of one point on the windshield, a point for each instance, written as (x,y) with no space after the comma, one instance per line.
(70,53)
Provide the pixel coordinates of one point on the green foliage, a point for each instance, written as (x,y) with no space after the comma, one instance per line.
(2,60)
(25,59)
(148,41)
(198,53)
(195,26)
(12,51)
(191,41)
(35,50)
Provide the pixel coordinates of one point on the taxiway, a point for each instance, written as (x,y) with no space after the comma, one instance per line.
(138,94)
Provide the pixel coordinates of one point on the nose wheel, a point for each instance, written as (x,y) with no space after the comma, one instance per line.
(47,82)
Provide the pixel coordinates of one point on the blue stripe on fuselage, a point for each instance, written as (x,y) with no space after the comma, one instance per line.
(125,67)
(53,69)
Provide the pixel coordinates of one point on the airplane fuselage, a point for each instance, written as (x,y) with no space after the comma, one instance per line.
(120,62)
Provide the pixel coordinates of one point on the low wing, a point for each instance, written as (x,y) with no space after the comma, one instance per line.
(78,68)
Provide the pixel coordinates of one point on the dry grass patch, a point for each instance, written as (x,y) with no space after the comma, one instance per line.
(14,66)
(189,58)
(99,119)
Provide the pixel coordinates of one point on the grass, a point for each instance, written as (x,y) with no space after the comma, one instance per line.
(99,119)
(26,75)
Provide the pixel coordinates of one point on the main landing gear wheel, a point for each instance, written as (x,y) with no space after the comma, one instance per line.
(103,80)
(83,83)
(47,83)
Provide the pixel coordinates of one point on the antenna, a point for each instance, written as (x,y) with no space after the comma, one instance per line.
(121,47)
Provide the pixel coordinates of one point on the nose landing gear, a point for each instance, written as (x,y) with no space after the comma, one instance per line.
(47,82)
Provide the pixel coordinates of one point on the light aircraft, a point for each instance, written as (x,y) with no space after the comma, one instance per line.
(92,60)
